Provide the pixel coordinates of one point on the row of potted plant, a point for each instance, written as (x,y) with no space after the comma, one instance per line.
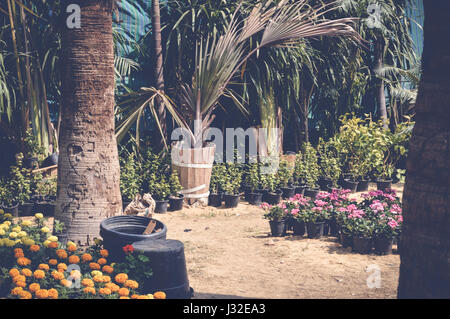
(375,221)
(150,173)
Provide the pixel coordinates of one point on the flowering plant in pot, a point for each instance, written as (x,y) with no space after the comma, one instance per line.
(362,231)
(175,198)
(284,176)
(387,227)
(315,219)
(277,218)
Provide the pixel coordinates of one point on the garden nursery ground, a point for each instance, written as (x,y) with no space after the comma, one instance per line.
(230,254)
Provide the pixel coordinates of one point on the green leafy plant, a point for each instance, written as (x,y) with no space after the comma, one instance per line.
(275,213)
(299,174)
(329,163)
(130,177)
(47,187)
(310,165)
(159,188)
(17,187)
(269,182)
(217,178)
(32,147)
(174,183)
(233,178)
(284,174)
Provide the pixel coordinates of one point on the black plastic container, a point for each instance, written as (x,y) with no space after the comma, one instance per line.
(274,198)
(231,200)
(299,189)
(26,209)
(331,189)
(277,227)
(288,192)
(40,207)
(315,230)
(346,240)
(348,184)
(215,200)
(125,203)
(50,209)
(119,231)
(383,245)
(384,184)
(168,264)
(334,228)
(161,206)
(363,186)
(323,183)
(362,245)
(312,192)
(255,198)
(299,228)
(51,160)
(176,203)
(13,210)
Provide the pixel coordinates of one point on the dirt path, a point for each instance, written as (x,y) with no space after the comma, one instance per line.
(230,255)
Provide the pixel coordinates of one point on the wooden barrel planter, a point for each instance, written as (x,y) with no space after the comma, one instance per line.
(194,166)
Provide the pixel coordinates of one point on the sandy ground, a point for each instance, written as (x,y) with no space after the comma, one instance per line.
(230,254)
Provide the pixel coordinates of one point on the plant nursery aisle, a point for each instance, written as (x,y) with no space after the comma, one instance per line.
(230,254)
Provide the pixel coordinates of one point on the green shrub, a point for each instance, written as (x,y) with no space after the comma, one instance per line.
(174,182)
(284,174)
(328,161)
(130,177)
(310,165)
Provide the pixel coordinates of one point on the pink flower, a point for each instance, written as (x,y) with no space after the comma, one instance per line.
(377,206)
(320,203)
(351,207)
(392,223)
(317,209)
(295,211)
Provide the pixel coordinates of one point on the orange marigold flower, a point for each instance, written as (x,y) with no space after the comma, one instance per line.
(34,287)
(39,274)
(43,267)
(104,253)
(108,269)
(35,248)
(71,248)
(101,261)
(57,275)
(123,292)
(86,257)
(124,297)
(112,286)
(94,266)
(19,278)
(104,291)
(26,272)
(62,266)
(74,259)
(159,295)
(23,261)
(61,253)
(121,278)
(22,284)
(106,279)
(143,297)
(19,254)
(14,272)
(89,290)
(131,284)
(18,250)
(86,282)
(16,291)
(134,296)
(53,262)
(53,293)
(65,283)
(25,295)
(42,294)
(75,274)
(53,244)
(98,278)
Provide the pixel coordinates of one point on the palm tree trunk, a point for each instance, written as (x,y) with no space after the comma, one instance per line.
(159,70)
(380,95)
(88,168)
(425,242)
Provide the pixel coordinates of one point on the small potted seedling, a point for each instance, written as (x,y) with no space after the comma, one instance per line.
(176,198)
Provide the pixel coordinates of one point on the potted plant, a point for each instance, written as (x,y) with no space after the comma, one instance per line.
(299,174)
(330,168)
(232,185)
(130,178)
(175,199)
(276,216)
(315,220)
(386,229)
(254,181)
(46,191)
(311,167)
(362,231)
(33,151)
(160,191)
(216,185)
(273,194)
(284,176)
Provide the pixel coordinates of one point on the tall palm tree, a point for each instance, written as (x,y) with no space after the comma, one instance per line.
(88,168)
(425,242)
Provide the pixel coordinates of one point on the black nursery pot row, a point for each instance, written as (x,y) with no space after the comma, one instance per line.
(300,228)
(174,203)
(378,244)
(231,200)
(45,206)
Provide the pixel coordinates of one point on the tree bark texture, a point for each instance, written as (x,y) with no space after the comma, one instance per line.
(88,169)
(425,242)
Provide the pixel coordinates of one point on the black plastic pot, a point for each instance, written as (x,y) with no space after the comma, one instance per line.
(384,184)
(383,245)
(176,202)
(125,203)
(26,209)
(50,160)
(119,231)
(288,192)
(299,189)
(312,192)
(13,210)
(255,198)
(231,200)
(298,227)
(330,188)
(277,227)
(274,198)
(50,209)
(346,240)
(247,190)
(362,245)
(334,228)
(323,183)
(351,185)
(161,206)
(215,200)
(168,264)
(363,186)
(315,230)
(326,228)
(41,207)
